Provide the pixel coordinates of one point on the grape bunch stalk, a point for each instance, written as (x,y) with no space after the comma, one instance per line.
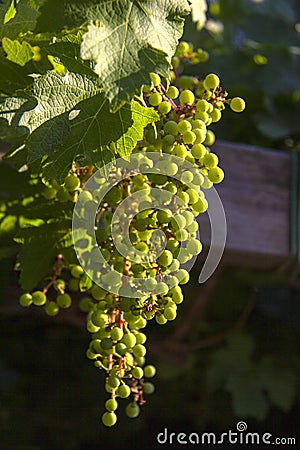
(144,224)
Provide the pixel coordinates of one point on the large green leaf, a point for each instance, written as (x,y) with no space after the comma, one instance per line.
(93,128)
(19,18)
(129,39)
(40,245)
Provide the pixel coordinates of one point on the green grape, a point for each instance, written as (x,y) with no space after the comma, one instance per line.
(202,105)
(187,177)
(193,195)
(180,151)
(171,127)
(203,116)
(63,195)
(184,125)
(183,276)
(168,141)
(211,81)
(164,216)
(200,206)
(132,410)
(139,350)
(149,371)
(123,391)
(165,258)
(216,115)
(109,419)
(116,333)
(72,183)
(177,295)
(210,160)
(216,175)
(170,313)
(97,292)
(194,247)
(51,308)
(49,193)
(59,285)
(99,319)
(111,278)
(129,340)
(237,104)
(121,348)
(164,107)
(200,135)
(186,97)
(38,298)
(111,404)
(178,221)
(86,304)
(161,320)
(188,137)
(148,388)
(77,271)
(210,138)
(25,300)
(155,78)
(186,82)
(113,381)
(155,99)
(182,48)
(172,92)
(198,123)
(137,373)
(64,300)
(140,338)
(198,150)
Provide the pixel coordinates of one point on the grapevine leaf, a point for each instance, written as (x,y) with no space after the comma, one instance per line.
(131,39)
(40,245)
(10,13)
(94,128)
(199,8)
(19,53)
(12,76)
(21,19)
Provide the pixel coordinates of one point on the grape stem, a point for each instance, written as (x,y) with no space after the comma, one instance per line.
(57,268)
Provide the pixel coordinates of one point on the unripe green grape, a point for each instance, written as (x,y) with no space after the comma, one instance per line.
(202,105)
(129,340)
(49,193)
(132,410)
(72,183)
(113,381)
(170,127)
(86,304)
(210,160)
(198,150)
(97,292)
(184,125)
(193,195)
(155,78)
(186,177)
(137,373)
(170,313)
(202,115)
(186,82)
(116,333)
(168,141)
(25,300)
(59,285)
(123,391)
(112,278)
(182,48)
(121,348)
(109,419)
(155,99)
(211,81)
(77,271)
(172,92)
(91,327)
(165,258)
(171,169)
(160,319)
(201,205)
(178,221)
(216,175)
(200,135)
(111,404)
(164,107)
(210,138)
(140,338)
(216,115)
(64,300)
(164,215)
(189,137)
(63,195)
(237,104)
(186,97)
(162,288)
(198,123)
(99,319)
(194,247)
(149,371)
(38,298)
(180,151)
(51,308)
(148,388)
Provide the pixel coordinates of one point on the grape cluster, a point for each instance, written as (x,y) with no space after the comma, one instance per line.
(145,230)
